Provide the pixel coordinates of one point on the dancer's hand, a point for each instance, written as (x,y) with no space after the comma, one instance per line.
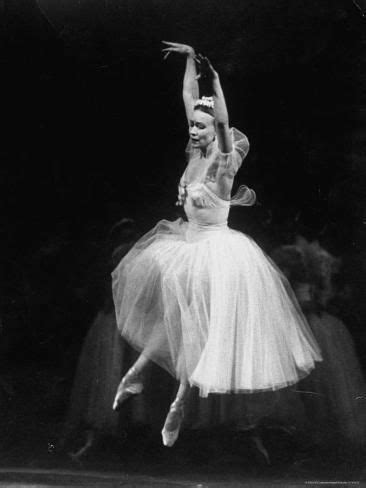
(175,47)
(206,70)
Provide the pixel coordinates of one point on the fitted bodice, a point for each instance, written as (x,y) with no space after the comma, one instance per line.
(203,207)
(201,204)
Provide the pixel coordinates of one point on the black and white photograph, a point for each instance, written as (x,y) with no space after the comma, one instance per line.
(183,248)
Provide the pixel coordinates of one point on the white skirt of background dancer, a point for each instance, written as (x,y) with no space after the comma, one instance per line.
(205,303)
(338,404)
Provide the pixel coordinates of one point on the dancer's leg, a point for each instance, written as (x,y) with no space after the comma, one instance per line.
(131,383)
(258,442)
(174,419)
(91,437)
(140,364)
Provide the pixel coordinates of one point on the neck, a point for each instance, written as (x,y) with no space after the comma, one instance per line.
(207,151)
(204,151)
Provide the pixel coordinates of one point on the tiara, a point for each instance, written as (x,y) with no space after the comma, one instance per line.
(205,102)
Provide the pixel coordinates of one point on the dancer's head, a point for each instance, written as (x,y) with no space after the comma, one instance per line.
(202,126)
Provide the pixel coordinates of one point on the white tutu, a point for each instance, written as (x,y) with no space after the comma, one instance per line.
(209,306)
(205,303)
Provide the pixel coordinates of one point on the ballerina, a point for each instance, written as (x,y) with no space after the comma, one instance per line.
(198,298)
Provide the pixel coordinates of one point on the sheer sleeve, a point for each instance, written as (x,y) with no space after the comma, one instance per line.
(234,159)
(244,197)
(240,143)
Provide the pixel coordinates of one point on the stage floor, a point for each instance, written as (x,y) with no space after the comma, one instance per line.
(48,478)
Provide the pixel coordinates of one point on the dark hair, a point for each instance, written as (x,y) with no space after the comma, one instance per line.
(203,108)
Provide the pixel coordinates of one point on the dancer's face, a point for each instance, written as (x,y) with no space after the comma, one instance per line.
(202,129)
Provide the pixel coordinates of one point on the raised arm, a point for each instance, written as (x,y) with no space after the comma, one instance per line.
(190,83)
(220,110)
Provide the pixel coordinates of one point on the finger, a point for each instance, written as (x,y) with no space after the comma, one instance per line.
(171,43)
(166,55)
(197,60)
(208,62)
(171,49)
(198,77)
(209,65)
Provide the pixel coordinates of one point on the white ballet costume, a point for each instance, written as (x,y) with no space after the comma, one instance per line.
(204,302)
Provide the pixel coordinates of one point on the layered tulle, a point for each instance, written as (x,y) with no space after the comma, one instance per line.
(207,305)
(96,379)
(337,405)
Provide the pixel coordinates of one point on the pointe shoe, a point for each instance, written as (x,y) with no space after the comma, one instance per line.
(129,386)
(175,417)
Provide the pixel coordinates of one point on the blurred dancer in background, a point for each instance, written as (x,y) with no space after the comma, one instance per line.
(336,403)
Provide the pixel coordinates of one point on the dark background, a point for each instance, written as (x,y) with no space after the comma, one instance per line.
(94,131)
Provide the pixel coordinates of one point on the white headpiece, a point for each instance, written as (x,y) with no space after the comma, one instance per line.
(204,102)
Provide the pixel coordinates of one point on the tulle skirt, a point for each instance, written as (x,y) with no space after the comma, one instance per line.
(206,304)
(337,404)
(96,379)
